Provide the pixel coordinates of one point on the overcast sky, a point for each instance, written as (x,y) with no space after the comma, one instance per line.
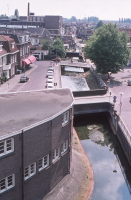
(104,9)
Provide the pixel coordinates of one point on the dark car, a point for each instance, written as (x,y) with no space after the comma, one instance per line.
(56,59)
(24,78)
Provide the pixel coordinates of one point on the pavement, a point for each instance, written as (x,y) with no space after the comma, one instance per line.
(7,86)
(117,85)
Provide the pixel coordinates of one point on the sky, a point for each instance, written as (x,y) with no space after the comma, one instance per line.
(103,9)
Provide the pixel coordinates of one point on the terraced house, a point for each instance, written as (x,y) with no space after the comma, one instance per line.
(8,56)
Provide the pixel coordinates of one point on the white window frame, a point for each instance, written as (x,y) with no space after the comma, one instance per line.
(5,147)
(1,47)
(64,147)
(65,118)
(0,61)
(30,174)
(6,181)
(12,45)
(15,57)
(42,160)
(55,154)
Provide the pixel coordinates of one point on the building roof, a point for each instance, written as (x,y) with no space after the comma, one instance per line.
(23,109)
(3,52)
(6,42)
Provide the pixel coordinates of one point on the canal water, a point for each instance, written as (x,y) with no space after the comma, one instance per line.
(112,173)
(73,78)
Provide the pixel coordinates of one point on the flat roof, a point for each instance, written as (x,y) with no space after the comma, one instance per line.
(23,109)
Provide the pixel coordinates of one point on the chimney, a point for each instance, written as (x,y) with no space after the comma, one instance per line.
(28,12)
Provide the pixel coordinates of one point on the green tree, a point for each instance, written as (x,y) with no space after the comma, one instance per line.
(107,48)
(73,19)
(100,23)
(16,13)
(46,44)
(58,48)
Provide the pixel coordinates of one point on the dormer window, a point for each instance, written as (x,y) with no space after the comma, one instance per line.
(1,47)
(12,45)
(21,39)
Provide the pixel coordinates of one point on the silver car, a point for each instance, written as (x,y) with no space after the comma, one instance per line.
(129,82)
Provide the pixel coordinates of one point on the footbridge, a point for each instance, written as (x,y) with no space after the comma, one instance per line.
(75,64)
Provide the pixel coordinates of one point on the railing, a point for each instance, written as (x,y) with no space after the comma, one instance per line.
(124,129)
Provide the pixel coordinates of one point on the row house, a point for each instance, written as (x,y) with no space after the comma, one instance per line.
(8,56)
(22,41)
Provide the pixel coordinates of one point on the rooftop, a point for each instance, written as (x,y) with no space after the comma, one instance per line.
(23,109)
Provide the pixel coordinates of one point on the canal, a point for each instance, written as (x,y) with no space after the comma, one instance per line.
(73,78)
(112,172)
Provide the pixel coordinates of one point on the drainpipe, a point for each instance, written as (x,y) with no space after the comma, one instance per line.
(22,165)
(70,138)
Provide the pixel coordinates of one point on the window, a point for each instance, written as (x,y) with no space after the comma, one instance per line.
(23,50)
(11,59)
(1,47)
(65,118)
(20,51)
(6,146)
(44,162)
(64,147)
(15,57)
(12,45)
(7,183)
(55,154)
(30,170)
(0,61)
(4,60)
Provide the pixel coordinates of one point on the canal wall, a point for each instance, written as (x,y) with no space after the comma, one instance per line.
(103,88)
(117,124)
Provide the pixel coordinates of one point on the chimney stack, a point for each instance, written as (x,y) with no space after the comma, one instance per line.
(28,12)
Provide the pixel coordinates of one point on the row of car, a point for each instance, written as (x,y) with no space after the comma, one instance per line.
(50,73)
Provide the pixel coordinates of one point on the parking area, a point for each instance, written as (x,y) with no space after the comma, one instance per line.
(37,79)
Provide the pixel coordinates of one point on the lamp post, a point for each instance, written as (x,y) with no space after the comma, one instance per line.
(121,93)
(108,80)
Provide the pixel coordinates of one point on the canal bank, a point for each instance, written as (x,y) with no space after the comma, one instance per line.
(78,185)
(112,179)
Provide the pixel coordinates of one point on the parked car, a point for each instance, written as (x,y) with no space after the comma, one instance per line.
(49,85)
(50,77)
(49,73)
(50,81)
(51,69)
(24,78)
(129,82)
(56,59)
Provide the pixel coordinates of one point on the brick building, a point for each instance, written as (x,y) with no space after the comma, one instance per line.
(8,56)
(35,142)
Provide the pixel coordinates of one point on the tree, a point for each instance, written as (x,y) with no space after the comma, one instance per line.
(58,48)
(46,44)
(73,19)
(100,23)
(16,13)
(107,48)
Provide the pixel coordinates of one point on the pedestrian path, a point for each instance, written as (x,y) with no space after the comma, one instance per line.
(8,86)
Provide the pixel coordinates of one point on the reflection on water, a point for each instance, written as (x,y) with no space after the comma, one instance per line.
(112,173)
(73,78)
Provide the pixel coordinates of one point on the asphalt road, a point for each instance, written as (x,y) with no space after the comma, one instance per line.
(37,79)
